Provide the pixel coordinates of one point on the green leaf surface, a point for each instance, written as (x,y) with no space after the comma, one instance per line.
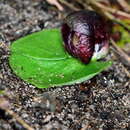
(2,92)
(40,59)
(41,45)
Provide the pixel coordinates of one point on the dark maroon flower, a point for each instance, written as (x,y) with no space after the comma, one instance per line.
(85,35)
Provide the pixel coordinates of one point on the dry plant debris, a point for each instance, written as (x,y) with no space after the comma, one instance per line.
(103,102)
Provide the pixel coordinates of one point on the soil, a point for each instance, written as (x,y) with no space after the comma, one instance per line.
(102,103)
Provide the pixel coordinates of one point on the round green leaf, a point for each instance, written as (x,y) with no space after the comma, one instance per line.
(40,59)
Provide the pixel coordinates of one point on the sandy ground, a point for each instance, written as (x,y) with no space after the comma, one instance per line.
(102,103)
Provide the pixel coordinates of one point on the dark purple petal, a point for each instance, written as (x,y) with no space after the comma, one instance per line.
(85,35)
(78,45)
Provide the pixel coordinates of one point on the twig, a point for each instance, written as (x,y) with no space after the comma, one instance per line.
(123,56)
(3,45)
(56,3)
(112,10)
(22,122)
(69,5)
(84,5)
(124,4)
(107,14)
(4,104)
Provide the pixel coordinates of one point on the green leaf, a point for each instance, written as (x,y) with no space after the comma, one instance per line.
(41,45)
(40,59)
(2,92)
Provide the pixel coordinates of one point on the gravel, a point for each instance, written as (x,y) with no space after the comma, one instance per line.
(100,103)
